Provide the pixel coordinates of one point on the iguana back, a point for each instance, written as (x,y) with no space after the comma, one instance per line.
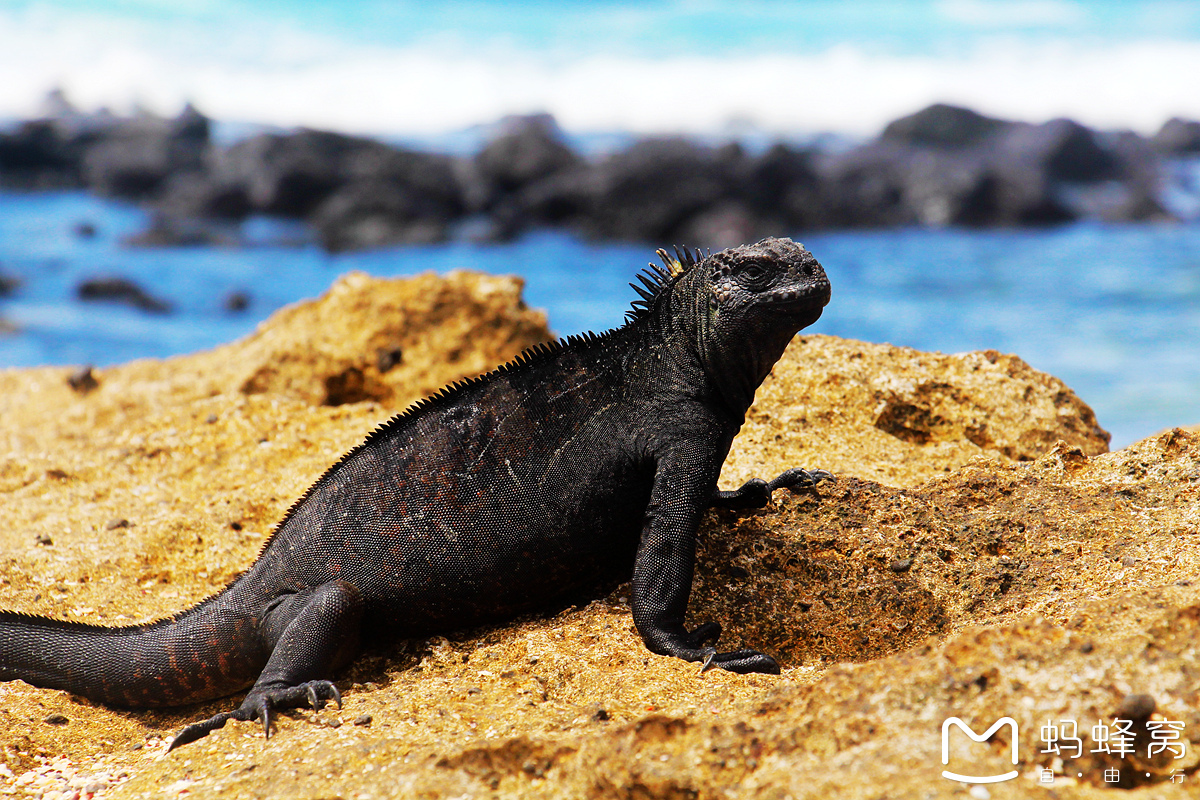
(495,497)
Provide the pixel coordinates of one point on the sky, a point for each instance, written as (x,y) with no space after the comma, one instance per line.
(660,66)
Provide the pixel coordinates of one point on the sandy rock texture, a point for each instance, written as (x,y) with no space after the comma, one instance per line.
(980,556)
(900,416)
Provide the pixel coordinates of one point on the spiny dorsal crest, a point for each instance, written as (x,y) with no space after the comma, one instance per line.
(657,278)
(681,263)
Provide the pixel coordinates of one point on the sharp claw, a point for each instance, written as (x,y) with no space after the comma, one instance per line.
(709,655)
(264,711)
(189,734)
(336,694)
(316,702)
(198,730)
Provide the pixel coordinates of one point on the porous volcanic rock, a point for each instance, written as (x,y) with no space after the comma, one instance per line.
(426,332)
(940,576)
(900,416)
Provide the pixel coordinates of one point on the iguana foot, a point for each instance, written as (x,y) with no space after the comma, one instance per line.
(258,705)
(756,493)
(737,661)
(797,478)
(741,661)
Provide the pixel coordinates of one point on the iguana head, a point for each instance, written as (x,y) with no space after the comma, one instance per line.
(744,305)
(774,285)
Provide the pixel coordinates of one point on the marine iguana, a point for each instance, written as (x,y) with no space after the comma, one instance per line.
(579,460)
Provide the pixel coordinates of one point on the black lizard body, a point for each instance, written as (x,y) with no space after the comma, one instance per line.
(573,464)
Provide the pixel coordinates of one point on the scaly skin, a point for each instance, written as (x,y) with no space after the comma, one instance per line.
(577,463)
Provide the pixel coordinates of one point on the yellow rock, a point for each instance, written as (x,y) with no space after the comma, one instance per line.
(980,556)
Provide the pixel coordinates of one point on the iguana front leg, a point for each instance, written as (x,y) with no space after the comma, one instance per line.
(756,493)
(662,573)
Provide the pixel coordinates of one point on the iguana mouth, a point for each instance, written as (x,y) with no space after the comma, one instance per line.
(818,294)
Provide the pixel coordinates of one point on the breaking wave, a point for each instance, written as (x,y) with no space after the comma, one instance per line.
(281,73)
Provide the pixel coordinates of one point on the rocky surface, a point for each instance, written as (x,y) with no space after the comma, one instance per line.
(980,556)
(941,166)
(120,290)
(1178,135)
(900,416)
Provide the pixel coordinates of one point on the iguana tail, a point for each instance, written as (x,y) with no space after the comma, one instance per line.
(201,654)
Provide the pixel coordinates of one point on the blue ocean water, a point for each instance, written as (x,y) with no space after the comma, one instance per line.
(1112,310)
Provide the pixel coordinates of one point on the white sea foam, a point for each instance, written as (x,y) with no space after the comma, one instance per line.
(288,77)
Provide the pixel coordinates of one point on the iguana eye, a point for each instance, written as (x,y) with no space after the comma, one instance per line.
(753,273)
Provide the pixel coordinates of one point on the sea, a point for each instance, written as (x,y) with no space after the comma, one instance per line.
(1113,310)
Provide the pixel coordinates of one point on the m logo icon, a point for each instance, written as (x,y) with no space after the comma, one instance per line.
(978,737)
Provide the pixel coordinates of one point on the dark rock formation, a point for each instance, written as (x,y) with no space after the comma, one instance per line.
(944,165)
(782,187)
(525,175)
(525,149)
(885,184)
(942,125)
(236,301)
(562,198)
(1017,192)
(121,157)
(389,196)
(952,166)
(168,231)
(863,187)
(649,191)
(1178,136)
(83,380)
(36,156)
(135,157)
(121,290)
(289,175)
(378,213)
(432,176)
(1062,149)
(203,195)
